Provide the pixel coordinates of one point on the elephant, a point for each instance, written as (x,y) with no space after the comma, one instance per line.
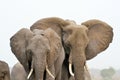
(4,71)
(40,52)
(81,42)
(18,72)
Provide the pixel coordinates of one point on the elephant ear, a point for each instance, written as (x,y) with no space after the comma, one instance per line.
(100,35)
(18,44)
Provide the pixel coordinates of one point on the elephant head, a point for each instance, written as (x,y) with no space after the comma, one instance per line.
(83,42)
(4,71)
(75,39)
(26,50)
(37,53)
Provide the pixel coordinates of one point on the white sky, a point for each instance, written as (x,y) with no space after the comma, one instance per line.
(16,14)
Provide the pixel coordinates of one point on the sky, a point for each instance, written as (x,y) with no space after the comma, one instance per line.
(17,14)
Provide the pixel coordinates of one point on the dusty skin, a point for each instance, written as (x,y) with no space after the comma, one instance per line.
(81,42)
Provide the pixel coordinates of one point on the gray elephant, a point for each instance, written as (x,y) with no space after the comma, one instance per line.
(81,42)
(40,52)
(4,71)
(18,72)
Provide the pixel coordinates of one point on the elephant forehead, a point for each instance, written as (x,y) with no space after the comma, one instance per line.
(39,41)
(80,30)
(51,35)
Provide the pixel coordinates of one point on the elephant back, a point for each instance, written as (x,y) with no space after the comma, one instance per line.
(18,72)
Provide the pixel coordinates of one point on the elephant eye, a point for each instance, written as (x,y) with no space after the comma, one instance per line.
(48,51)
(28,51)
(5,72)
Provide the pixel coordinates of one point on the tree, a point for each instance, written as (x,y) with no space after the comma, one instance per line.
(107,74)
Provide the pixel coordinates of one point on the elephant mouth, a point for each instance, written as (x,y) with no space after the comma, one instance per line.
(72,73)
(48,71)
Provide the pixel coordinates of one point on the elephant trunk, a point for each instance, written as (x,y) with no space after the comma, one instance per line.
(38,67)
(77,58)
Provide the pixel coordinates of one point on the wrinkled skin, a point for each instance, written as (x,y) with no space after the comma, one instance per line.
(18,72)
(4,71)
(90,38)
(77,54)
(81,42)
(66,75)
(37,50)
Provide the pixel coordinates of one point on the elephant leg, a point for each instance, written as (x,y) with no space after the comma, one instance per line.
(51,74)
(39,74)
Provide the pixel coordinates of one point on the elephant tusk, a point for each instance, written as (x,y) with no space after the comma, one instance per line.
(49,72)
(31,71)
(86,68)
(70,69)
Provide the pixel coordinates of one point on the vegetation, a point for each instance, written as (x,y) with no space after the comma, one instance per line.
(96,74)
(107,74)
